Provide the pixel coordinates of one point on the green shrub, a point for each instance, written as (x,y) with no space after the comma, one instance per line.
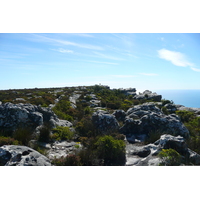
(62,133)
(69,160)
(62,110)
(85,127)
(111,150)
(44,134)
(169,157)
(165,111)
(23,135)
(194,128)
(164,102)
(185,116)
(153,136)
(8,141)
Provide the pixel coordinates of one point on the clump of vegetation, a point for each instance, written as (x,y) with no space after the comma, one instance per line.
(62,133)
(23,135)
(169,157)
(8,141)
(111,150)
(44,133)
(62,109)
(153,136)
(85,127)
(194,128)
(185,116)
(69,160)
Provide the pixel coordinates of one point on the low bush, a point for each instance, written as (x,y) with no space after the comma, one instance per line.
(62,133)
(169,157)
(8,141)
(111,150)
(44,134)
(153,136)
(23,135)
(69,160)
(185,116)
(85,127)
(194,128)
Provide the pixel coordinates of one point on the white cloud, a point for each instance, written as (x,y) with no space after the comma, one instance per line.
(174,57)
(195,69)
(148,74)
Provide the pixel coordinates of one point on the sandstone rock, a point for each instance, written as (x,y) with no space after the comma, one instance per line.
(194,110)
(146,118)
(119,115)
(60,149)
(146,155)
(14,155)
(148,95)
(104,121)
(27,115)
(129,91)
(168,141)
(171,108)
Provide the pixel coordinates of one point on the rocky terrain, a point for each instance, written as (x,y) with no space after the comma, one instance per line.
(145,128)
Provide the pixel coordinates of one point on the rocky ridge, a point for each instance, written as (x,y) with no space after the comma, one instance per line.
(137,124)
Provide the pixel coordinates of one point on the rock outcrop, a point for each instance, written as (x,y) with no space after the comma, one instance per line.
(143,119)
(128,91)
(104,122)
(146,155)
(14,155)
(27,115)
(148,95)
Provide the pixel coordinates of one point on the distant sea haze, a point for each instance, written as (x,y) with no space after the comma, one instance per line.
(188,98)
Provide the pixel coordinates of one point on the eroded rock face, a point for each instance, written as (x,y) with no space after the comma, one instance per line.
(147,155)
(28,115)
(148,95)
(14,155)
(104,121)
(146,118)
(119,115)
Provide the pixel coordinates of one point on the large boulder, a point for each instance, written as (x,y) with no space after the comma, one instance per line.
(14,155)
(104,122)
(27,115)
(147,118)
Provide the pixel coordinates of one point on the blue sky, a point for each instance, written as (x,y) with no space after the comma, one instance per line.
(141,60)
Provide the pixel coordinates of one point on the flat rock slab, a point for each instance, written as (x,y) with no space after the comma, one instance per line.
(15,155)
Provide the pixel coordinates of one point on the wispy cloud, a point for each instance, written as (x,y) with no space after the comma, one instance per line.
(61,50)
(107,56)
(174,57)
(42,38)
(195,69)
(148,74)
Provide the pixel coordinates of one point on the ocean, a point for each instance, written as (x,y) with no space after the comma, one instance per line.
(188,98)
